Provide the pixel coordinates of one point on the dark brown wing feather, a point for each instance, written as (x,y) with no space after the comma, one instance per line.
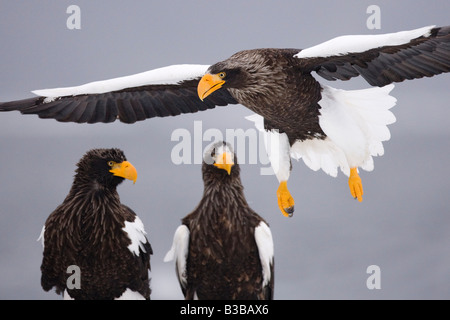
(128,105)
(421,57)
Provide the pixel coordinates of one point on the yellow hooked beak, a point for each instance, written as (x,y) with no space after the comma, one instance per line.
(224,161)
(125,170)
(208,84)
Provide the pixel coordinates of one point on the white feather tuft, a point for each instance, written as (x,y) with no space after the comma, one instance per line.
(136,233)
(41,236)
(130,295)
(355,123)
(321,154)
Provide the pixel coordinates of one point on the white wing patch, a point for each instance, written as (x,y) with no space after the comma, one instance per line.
(179,251)
(136,233)
(166,75)
(264,241)
(360,43)
(41,236)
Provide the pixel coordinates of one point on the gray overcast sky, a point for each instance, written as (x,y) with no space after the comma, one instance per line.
(402,226)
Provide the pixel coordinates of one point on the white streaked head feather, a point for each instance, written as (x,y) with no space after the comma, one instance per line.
(179,251)
(224,148)
(264,241)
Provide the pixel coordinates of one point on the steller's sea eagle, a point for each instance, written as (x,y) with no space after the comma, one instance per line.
(302,118)
(223,249)
(93,231)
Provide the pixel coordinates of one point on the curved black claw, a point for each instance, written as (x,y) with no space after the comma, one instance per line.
(289,211)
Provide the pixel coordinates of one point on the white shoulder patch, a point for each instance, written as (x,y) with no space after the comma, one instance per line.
(41,236)
(166,75)
(136,233)
(264,241)
(179,251)
(360,43)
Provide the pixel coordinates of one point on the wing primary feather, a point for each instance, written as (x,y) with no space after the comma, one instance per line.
(126,113)
(111,110)
(88,111)
(138,109)
(77,112)
(148,102)
(99,114)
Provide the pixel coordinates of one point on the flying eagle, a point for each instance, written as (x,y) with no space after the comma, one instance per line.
(223,249)
(94,232)
(302,118)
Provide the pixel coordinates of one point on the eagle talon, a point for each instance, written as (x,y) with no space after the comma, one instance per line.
(285,200)
(355,184)
(289,211)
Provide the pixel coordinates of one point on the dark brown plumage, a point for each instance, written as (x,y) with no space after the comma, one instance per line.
(272,83)
(91,229)
(223,257)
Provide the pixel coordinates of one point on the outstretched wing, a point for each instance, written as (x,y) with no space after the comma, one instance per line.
(382,59)
(162,92)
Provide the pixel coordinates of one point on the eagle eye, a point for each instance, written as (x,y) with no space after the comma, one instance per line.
(222,75)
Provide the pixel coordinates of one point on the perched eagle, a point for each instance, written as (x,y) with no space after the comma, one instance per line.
(93,232)
(223,249)
(301,118)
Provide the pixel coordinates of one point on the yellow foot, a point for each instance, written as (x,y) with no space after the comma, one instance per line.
(285,200)
(355,184)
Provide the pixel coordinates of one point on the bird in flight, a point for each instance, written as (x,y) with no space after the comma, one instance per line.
(301,118)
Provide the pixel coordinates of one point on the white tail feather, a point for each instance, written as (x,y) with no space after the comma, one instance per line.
(355,123)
